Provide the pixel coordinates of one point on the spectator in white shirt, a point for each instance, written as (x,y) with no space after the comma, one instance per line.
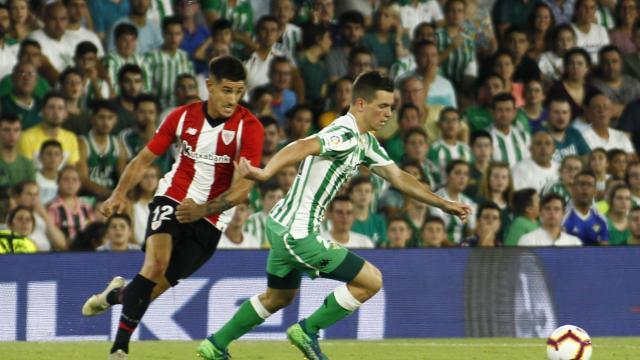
(340,214)
(76,32)
(234,237)
(589,35)
(267,33)
(550,232)
(53,39)
(599,134)
(535,171)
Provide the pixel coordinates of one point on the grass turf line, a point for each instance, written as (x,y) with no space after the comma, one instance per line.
(432,349)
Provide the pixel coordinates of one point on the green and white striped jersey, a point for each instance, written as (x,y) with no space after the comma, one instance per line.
(113,62)
(164,69)
(455,228)
(556,187)
(461,61)
(342,150)
(512,147)
(256,225)
(441,153)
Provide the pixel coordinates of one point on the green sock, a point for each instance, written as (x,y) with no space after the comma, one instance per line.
(245,319)
(327,314)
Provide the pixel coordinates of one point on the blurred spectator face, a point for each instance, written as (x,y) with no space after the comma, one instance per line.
(482,149)
(325,43)
(240,215)
(504,67)
(459,178)
(268,34)
(271,139)
(425,33)
(146,113)
(150,178)
(286,177)
(283,10)
(433,234)
(542,19)
(410,119)
(427,58)
(552,213)
(187,8)
(24,79)
(69,182)
(281,76)
(398,233)
(341,216)
(534,93)
(489,220)
(599,112)
(449,125)
(22,223)
(413,92)
(131,85)
(416,147)
(569,170)
(534,209)
(634,223)
(271,198)
(577,68)
(618,166)
(586,12)
(29,197)
(54,112)
(542,148)
(621,201)
(583,190)
(300,124)
(76,8)
(598,162)
(518,44)
(87,62)
(73,86)
(493,86)
(5,22)
(19,11)
(139,7)
(362,194)
(628,12)
(565,40)
(186,88)
(51,157)
(455,13)
(325,8)
(56,21)
(118,232)
(103,122)
(559,115)
(173,36)
(126,45)
(414,171)
(499,179)
(344,89)
(503,113)
(352,33)
(10,134)
(634,177)
(611,64)
(362,62)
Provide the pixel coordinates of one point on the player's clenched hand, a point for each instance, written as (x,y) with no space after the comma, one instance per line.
(115,204)
(246,170)
(463,211)
(188,211)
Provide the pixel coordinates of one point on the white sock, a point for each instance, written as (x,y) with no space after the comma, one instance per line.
(345,299)
(259,308)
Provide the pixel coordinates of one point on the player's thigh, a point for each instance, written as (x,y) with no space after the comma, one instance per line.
(369,277)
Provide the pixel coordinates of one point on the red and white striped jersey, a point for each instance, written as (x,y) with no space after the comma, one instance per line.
(208,148)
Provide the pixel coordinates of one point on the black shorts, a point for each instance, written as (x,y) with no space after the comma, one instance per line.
(193,243)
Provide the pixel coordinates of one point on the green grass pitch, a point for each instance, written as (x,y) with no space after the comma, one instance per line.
(620,348)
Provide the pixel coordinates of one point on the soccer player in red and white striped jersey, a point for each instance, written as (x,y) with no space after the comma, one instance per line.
(194,201)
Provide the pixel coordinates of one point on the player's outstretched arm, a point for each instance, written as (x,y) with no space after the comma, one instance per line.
(117,202)
(412,187)
(289,155)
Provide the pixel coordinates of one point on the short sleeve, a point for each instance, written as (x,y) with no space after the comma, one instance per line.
(252,142)
(166,133)
(376,155)
(336,140)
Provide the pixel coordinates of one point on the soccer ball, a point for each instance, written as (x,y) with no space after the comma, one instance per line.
(569,342)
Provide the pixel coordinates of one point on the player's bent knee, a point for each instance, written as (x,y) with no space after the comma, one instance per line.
(276,300)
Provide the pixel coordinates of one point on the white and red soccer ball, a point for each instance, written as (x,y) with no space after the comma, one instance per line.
(569,342)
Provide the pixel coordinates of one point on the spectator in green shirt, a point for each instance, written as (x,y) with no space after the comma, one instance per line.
(479,117)
(398,232)
(366,222)
(239,12)
(526,206)
(30,52)
(408,117)
(481,149)
(21,100)
(387,41)
(14,167)
(617,220)
(314,71)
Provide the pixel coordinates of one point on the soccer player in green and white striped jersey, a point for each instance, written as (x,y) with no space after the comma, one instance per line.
(167,63)
(448,148)
(126,39)
(328,159)
(510,143)
(270,194)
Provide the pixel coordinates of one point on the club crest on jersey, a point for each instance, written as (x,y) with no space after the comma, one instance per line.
(227,136)
(335,140)
(191,131)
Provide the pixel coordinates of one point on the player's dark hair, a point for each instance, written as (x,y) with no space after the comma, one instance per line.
(9,118)
(102,104)
(220,25)
(227,67)
(433,219)
(368,83)
(53,94)
(129,69)
(121,216)
(550,197)
(265,19)
(359,180)
(143,98)
(415,130)
(451,165)
(337,199)
(522,199)
(480,134)
(502,97)
(50,143)
(267,120)
(351,17)
(124,29)
(85,47)
(69,71)
(487,205)
(169,21)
